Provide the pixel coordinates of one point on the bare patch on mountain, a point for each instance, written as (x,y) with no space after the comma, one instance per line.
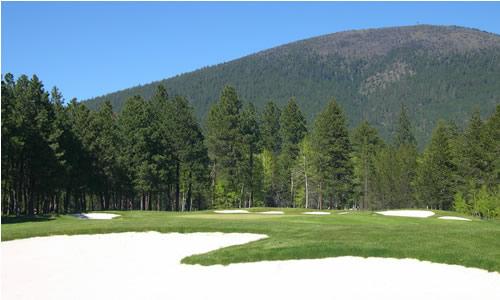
(381,80)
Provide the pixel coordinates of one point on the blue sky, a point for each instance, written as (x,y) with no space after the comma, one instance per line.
(89,49)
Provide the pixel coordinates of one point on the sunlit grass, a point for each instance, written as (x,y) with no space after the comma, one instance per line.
(294,235)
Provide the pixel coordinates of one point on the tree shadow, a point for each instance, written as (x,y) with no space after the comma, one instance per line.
(24,219)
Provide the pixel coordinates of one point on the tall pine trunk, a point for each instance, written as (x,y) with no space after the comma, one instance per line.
(365,192)
(306,183)
(31,199)
(250,200)
(101,198)
(177,185)
(241,195)
(320,204)
(213,175)
(189,193)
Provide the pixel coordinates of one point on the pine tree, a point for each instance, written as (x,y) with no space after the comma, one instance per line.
(366,142)
(61,141)
(250,131)
(135,145)
(475,163)
(11,147)
(106,152)
(39,157)
(271,139)
(166,171)
(436,173)
(292,128)
(385,179)
(189,151)
(493,138)
(332,149)
(271,147)
(225,147)
(292,131)
(82,175)
(405,159)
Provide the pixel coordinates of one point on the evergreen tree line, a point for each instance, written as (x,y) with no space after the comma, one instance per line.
(60,158)
(154,155)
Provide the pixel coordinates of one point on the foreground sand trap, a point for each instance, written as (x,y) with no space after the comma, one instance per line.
(146,266)
(344,213)
(97,216)
(454,218)
(316,213)
(231,211)
(407,213)
(272,212)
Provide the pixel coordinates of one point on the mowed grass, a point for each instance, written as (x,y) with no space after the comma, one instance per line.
(295,236)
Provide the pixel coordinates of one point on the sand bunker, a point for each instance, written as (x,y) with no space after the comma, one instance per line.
(454,218)
(147,266)
(231,211)
(316,213)
(407,213)
(344,213)
(272,212)
(97,216)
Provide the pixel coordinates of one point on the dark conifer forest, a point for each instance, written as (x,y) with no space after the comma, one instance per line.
(61,157)
(439,72)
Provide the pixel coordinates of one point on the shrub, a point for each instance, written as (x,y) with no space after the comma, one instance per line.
(460,204)
(482,202)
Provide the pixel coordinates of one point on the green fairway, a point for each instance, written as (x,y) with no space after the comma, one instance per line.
(294,236)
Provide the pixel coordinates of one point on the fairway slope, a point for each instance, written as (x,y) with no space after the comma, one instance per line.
(147,266)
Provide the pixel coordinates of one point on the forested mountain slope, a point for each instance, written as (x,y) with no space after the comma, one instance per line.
(437,71)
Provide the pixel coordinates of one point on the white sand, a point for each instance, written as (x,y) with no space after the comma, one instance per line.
(316,213)
(344,213)
(407,213)
(97,216)
(146,266)
(454,218)
(272,212)
(231,211)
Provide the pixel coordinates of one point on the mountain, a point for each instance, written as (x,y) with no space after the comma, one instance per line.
(437,71)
